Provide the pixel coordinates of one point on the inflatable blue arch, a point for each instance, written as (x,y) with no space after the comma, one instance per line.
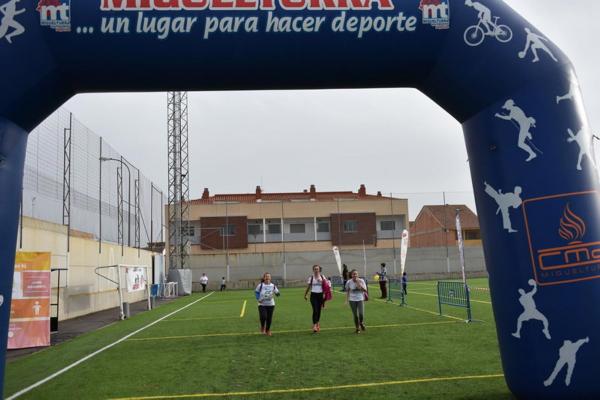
(514,92)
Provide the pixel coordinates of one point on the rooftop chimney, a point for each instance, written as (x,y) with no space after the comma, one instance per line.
(205,194)
(362,191)
(313,192)
(258,193)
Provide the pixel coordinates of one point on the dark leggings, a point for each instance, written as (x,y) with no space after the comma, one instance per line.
(316,301)
(266,316)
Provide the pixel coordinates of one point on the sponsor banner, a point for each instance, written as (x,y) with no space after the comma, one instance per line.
(30,306)
(136,279)
(563,243)
(29,333)
(338,258)
(436,13)
(403,251)
(55,14)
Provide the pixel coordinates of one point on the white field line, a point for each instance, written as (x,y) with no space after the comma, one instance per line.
(76,363)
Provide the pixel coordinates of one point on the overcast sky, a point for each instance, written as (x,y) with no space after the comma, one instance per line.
(287,140)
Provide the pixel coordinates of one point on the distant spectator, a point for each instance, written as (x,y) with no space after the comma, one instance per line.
(223,284)
(204,282)
(383,281)
(404,283)
(345,277)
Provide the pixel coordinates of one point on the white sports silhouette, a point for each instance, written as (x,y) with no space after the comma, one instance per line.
(566,355)
(535,42)
(483,13)
(570,95)
(505,201)
(9,12)
(530,311)
(585,145)
(524,124)
(36,308)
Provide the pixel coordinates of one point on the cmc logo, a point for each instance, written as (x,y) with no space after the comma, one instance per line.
(55,14)
(564,237)
(436,13)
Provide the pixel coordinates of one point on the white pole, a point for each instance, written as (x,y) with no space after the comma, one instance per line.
(122,316)
(461,248)
(148,289)
(364,260)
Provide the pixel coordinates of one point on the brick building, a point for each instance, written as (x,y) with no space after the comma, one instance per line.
(435,227)
(294,222)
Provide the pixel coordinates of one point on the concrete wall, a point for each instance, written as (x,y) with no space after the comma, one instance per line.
(81,290)
(245,269)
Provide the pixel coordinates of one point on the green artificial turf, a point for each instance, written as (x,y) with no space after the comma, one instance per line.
(208,349)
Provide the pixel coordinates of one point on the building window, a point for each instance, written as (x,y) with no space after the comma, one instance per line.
(323,227)
(388,225)
(472,235)
(254,229)
(350,226)
(297,228)
(188,231)
(274,229)
(228,230)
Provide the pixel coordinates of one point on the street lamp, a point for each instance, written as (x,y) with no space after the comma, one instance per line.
(102,159)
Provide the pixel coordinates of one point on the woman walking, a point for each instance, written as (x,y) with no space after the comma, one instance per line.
(355,296)
(265,293)
(315,287)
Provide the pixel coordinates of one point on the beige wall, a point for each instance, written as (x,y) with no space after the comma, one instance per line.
(277,247)
(300,209)
(81,290)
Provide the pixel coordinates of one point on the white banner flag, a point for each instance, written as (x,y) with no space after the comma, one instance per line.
(136,279)
(338,258)
(461,247)
(403,251)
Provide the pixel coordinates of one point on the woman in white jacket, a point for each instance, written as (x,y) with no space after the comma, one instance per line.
(265,295)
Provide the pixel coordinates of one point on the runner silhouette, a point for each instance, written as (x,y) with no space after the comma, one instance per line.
(535,42)
(584,146)
(9,12)
(505,201)
(524,123)
(530,311)
(566,355)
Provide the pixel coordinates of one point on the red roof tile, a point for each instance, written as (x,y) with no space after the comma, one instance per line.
(445,215)
(290,196)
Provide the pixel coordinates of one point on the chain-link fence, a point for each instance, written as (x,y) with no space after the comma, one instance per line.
(64,162)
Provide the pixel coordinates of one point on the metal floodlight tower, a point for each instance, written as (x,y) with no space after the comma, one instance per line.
(179,188)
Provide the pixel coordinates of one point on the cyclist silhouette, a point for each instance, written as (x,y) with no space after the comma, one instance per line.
(475,34)
(484,15)
(9,12)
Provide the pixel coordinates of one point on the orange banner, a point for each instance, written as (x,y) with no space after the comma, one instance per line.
(30,307)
